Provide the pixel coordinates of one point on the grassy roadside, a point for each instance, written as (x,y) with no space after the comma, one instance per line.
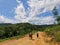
(16,37)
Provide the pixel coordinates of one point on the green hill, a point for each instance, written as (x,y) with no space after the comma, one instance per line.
(11,30)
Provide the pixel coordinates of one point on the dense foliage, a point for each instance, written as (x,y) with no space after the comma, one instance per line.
(10,30)
(54,32)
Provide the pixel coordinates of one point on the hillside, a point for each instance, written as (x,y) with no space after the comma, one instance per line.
(21,29)
(9,30)
(26,41)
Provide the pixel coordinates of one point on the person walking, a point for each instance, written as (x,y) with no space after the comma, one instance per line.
(37,35)
(30,35)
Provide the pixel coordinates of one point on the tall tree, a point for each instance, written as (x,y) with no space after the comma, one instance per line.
(55,12)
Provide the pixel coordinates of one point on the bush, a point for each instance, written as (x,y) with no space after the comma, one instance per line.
(2,34)
(54,32)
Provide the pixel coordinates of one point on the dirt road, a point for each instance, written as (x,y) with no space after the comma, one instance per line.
(26,41)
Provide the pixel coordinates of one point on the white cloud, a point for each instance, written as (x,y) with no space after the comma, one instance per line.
(35,20)
(42,20)
(7,20)
(48,5)
(17,1)
(34,10)
(19,10)
(20,13)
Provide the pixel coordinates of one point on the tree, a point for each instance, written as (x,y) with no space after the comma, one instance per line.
(2,34)
(8,31)
(57,18)
(55,12)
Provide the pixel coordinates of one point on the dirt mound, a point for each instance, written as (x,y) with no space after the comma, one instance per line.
(26,41)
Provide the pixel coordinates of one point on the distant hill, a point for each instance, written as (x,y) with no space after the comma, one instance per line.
(1,24)
(24,23)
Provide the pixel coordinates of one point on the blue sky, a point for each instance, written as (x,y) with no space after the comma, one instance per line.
(7,7)
(32,11)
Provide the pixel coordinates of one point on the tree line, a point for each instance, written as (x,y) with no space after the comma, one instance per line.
(11,30)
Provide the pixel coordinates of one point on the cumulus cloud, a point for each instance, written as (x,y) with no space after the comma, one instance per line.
(20,13)
(36,7)
(42,20)
(7,20)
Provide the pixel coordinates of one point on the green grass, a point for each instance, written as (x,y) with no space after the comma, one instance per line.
(54,32)
(16,37)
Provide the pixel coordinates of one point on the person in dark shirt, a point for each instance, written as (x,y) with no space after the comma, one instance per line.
(37,35)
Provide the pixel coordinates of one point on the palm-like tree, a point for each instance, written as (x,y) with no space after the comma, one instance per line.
(57,18)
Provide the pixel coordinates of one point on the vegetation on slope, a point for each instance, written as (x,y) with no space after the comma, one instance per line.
(54,32)
(7,31)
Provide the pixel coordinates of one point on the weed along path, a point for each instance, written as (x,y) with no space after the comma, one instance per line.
(41,40)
